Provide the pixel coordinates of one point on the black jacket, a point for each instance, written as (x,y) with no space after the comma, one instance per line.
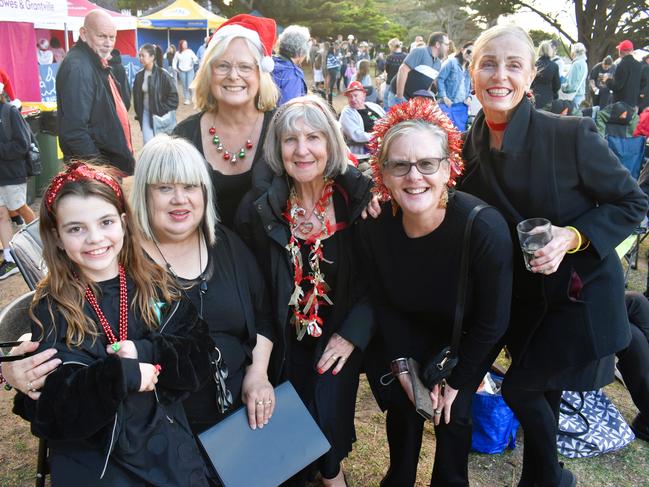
(96,422)
(88,122)
(262,226)
(625,83)
(13,148)
(559,168)
(119,73)
(163,94)
(546,84)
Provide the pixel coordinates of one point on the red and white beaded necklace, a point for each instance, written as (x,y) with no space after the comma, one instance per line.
(123,312)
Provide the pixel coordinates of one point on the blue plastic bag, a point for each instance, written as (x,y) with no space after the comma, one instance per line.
(494,424)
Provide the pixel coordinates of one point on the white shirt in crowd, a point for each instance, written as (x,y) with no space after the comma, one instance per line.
(184,61)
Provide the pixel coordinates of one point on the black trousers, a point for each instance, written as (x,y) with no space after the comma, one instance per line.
(538,413)
(634,360)
(453,440)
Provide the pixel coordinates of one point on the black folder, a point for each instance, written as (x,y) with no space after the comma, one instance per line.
(267,456)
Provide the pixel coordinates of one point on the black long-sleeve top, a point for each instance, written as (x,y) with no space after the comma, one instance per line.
(414,284)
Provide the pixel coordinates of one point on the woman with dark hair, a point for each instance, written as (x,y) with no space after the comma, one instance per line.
(546,83)
(154,91)
(454,86)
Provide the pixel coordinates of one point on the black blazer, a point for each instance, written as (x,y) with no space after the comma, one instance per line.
(559,168)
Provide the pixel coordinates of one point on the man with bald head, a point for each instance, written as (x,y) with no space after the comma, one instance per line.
(93,120)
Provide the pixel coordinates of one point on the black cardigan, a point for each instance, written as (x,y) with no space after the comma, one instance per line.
(546,84)
(262,226)
(559,168)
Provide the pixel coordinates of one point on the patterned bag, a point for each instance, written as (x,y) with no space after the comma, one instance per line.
(589,425)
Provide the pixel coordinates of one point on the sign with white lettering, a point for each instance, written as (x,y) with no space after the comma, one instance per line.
(33,10)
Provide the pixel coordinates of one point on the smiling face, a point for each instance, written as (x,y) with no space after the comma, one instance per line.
(502,73)
(91,232)
(175,210)
(304,153)
(237,88)
(417,194)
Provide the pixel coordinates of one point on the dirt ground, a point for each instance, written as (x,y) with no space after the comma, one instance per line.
(369,460)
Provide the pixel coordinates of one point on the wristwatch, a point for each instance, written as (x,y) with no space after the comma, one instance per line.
(399,366)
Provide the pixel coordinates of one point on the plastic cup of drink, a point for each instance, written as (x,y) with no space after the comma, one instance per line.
(533,234)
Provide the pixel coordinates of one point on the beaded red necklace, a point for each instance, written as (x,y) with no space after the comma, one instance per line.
(305,306)
(123,312)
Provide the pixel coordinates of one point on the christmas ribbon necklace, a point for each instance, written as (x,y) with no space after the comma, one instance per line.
(305,306)
(123,312)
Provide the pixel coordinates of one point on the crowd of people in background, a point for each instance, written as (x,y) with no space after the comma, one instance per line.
(308,245)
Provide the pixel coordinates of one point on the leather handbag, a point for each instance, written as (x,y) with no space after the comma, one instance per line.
(442,364)
(420,393)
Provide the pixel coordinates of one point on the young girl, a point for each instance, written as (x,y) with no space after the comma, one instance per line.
(130,349)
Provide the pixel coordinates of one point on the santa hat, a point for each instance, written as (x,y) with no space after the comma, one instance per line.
(258,30)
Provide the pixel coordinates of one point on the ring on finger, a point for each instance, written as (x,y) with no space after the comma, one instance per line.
(270,401)
(437,412)
(259,403)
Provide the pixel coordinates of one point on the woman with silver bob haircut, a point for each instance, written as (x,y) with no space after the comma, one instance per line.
(172,198)
(313,112)
(300,232)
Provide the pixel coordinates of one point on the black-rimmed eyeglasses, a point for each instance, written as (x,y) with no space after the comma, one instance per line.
(424,166)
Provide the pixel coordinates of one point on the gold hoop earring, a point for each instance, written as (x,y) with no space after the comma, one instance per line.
(443,199)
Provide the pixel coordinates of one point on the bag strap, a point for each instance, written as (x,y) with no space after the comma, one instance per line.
(568,409)
(462,282)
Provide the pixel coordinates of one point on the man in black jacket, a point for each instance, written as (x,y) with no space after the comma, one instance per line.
(625,83)
(93,120)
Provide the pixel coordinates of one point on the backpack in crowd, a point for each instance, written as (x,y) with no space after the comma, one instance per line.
(589,425)
(33,156)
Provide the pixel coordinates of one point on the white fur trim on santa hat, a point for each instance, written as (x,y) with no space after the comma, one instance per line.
(267,64)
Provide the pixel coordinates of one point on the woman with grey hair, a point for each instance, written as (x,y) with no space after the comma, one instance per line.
(172,203)
(293,51)
(575,86)
(300,232)
(546,83)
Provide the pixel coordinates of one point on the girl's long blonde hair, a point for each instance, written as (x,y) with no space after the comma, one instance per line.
(65,285)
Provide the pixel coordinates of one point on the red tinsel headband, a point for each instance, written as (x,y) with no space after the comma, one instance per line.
(79,171)
(417,108)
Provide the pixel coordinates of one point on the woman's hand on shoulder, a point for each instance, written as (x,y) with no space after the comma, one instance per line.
(547,259)
(372,209)
(258,395)
(149,377)
(126,350)
(28,375)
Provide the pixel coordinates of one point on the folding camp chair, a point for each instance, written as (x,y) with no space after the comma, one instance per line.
(629,249)
(26,247)
(630,151)
(14,323)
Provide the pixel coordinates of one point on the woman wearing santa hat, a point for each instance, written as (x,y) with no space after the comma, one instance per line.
(235,94)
